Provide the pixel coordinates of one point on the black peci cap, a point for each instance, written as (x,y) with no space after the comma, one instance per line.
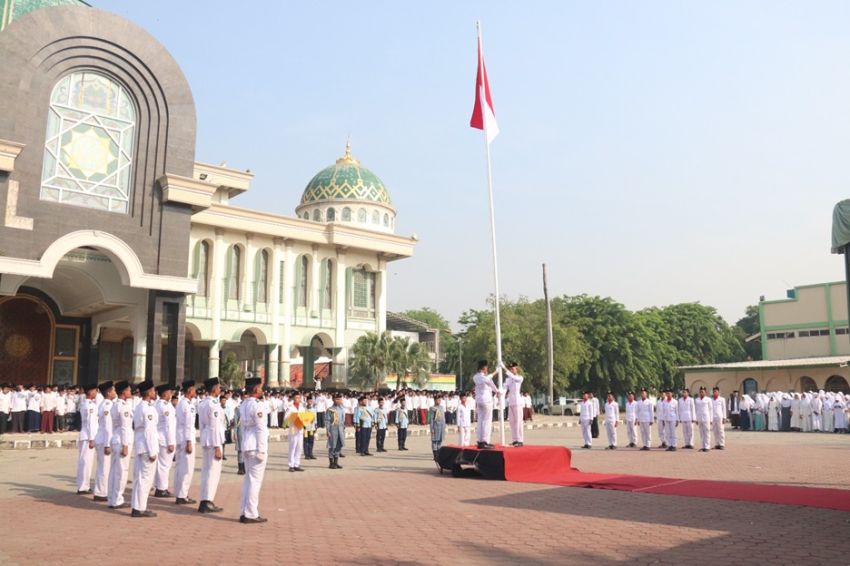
(145,386)
(105,386)
(210,383)
(121,386)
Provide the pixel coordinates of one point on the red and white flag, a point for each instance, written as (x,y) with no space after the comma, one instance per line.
(483,113)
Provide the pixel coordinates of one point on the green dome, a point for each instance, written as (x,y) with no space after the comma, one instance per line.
(346,180)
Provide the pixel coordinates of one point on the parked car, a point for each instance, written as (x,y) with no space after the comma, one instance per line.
(564,406)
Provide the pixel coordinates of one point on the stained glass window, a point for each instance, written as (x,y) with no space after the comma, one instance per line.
(89,150)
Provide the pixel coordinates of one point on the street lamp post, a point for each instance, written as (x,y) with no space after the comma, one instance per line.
(460,361)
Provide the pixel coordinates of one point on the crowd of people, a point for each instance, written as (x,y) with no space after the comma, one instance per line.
(813,411)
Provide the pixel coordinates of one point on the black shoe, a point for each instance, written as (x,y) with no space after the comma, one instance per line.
(586,446)
(717,447)
(721,447)
(84,492)
(336,463)
(162,493)
(703,449)
(136,513)
(689,447)
(663,445)
(367,454)
(122,506)
(342,455)
(645,448)
(241,470)
(208,507)
(331,464)
(518,444)
(184,501)
(100,498)
(291,469)
(405,449)
(244,519)
(671,449)
(297,469)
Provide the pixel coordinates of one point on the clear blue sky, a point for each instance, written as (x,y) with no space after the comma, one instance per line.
(654,152)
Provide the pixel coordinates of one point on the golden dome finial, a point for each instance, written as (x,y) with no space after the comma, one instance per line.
(347,157)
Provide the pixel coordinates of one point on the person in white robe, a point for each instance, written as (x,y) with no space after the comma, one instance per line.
(806,412)
(797,412)
(774,413)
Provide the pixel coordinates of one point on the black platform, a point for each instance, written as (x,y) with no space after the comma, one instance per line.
(472,462)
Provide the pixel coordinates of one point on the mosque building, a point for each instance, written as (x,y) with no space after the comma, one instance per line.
(123,257)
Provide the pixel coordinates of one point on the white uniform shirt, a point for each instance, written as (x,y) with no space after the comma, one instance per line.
(464,415)
(145,420)
(484,388)
(631,411)
(645,411)
(104,423)
(718,408)
(686,409)
(595,403)
(255,433)
(5,402)
(211,421)
(669,411)
(185,421)
(60,405)
(702,409)
(34,401)
(122,423)
(19,401)
(88,419)
(586,410)
(167,424)
(612,412)
(513,383)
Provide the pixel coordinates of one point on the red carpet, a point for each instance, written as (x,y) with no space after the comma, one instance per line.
(552,465)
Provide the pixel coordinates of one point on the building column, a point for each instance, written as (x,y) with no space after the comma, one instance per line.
(138,326)
(315,282)
(340,362)
(216,299)
(247,283)
(275,298)
(288,309)
(381,302)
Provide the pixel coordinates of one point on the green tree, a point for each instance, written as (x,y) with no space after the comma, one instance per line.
(746,327)
(230,372)
(410,359)
(448,341)
(371,360)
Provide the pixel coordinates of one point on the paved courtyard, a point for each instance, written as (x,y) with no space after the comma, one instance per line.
(395,509)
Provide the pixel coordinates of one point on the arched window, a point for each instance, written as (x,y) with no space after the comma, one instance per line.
(327,284)
(263,276)
(386,220)
(837,384)
(234,273)
(376,217)
(88,152)
(306,216)
(202,271)
(750,386)
(807,384)
(362,298)
(331,214)
(361,216)
(302,290)
(317,215)
(346,214)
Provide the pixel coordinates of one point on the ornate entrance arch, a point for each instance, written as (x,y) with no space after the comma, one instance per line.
(27,334)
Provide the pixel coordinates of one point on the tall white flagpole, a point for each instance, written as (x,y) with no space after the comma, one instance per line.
(483,102)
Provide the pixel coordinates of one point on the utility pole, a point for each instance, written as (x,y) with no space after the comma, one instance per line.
(550,340)
(460,361)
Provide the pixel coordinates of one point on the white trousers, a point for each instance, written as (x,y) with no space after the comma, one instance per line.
(816,421)
(662,432)
(646,434)
(611,431)
(143,473)
(688,432)
(210,474)
(585,433)
(463,435)
(485,422)
(704,436)
(163,468)
(84,464)
(719,432)
(184,470)
(101,479)
(631,431)
(670,433)
(515,418)
(296,448)
(118,472)
(254,471)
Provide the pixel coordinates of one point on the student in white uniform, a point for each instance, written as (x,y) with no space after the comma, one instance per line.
(702,414)
(167,432)
(718,418)
(687,418)
(296,433)
(122,444)
(484,391)
(146,443)
(255,446)
(612,415)
(86,439)
(631,420)
(103,441)
(464,421)
(645,416)
(585,418)
(211,421)
(670,416)
(185,438)
(513,385)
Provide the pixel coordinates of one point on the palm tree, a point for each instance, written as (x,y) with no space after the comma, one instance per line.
(411,359)
(371,358)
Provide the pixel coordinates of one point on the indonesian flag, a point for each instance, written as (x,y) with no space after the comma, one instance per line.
(483,113)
